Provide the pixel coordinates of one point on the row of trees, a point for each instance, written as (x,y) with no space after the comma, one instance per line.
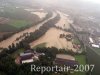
(42,30)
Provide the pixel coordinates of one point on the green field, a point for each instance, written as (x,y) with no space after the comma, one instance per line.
(40,45)
(97,50)
(16,53)
(20,23)
(7,28)
(76,41)
(17,13)
(82,61)
(18,19)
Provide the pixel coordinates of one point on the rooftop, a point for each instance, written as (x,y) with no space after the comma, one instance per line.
(25,54)
(70,63)
(66,57)
(26,57)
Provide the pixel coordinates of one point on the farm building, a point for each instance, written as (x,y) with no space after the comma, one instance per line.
(27,57)
(91,40)
(68,60)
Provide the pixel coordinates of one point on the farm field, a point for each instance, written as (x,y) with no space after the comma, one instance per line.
(17,13)
(82,61)
(40,45)
(7,28)
(51,38)
(16,53)
(20,23)
(15,18)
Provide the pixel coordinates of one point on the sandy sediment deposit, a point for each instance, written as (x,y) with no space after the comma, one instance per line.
(40,14)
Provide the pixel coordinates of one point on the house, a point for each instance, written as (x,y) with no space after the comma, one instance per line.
(68,60)
(95,45)
(91,40)
(27,57)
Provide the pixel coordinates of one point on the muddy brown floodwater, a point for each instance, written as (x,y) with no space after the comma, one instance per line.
(52,39)
(12,39)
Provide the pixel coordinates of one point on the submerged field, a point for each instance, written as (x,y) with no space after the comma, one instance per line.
(52,38)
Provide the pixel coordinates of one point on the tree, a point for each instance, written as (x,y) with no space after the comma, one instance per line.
(13,46)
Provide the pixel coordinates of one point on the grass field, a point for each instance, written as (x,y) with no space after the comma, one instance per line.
(76,41)
(16,53)
(40,45)
(20,23)
(82,61)
(18,15)
(18,18)
(97,50)
(7,28)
